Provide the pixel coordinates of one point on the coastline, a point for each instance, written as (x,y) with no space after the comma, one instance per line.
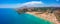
(49,17)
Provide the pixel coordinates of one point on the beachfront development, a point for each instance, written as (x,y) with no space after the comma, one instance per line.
(51,14)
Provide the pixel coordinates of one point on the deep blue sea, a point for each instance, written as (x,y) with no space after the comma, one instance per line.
(10,16)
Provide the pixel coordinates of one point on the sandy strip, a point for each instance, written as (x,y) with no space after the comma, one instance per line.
(49,17)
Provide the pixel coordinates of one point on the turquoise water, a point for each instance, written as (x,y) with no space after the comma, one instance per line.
(10,16)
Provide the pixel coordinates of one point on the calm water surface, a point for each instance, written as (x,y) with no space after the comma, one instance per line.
(10,16)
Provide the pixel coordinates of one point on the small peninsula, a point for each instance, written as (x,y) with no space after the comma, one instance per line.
(51,14)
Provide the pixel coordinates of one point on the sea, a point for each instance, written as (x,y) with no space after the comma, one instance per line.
(11,16)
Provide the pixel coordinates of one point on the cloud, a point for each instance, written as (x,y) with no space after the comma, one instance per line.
(29,4)
(32,3)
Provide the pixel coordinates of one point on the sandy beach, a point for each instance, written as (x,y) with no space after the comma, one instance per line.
(47,16)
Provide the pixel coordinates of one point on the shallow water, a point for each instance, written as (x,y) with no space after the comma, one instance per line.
(10,16)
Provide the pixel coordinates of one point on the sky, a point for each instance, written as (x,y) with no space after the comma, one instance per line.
(18,3)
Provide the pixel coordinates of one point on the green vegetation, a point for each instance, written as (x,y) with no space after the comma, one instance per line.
(41,9)
(38,9)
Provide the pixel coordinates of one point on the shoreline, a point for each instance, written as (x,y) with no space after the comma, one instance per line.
(48,17)
(37,19)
